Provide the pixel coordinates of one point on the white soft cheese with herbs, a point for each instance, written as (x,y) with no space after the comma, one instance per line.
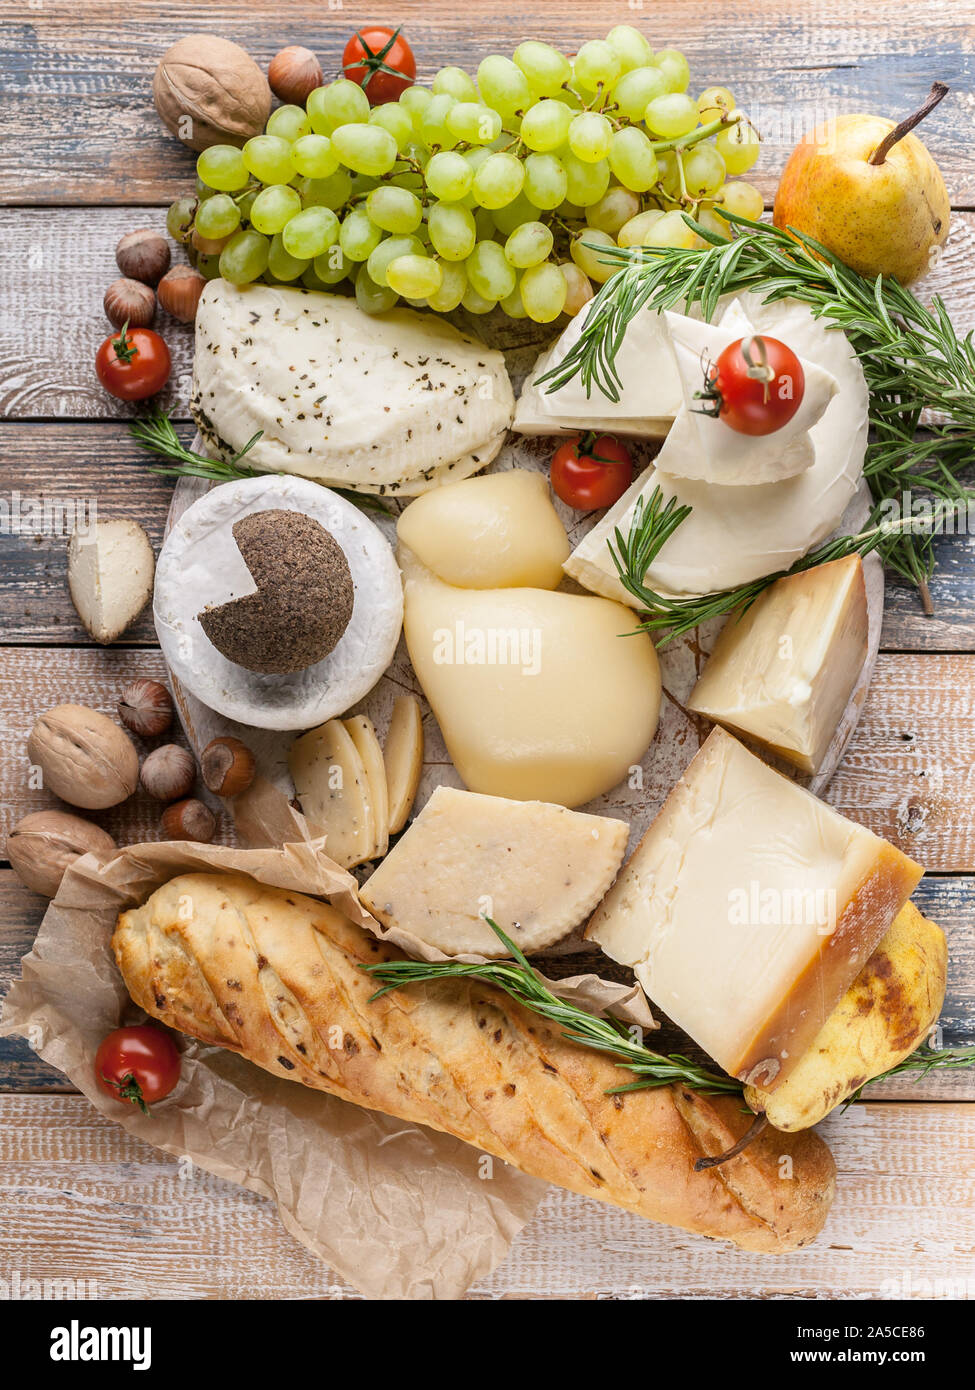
(398,402)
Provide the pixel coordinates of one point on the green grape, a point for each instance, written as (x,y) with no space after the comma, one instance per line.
(340,103)
(289,123)
(630,47)
(387,251)
(485,224)
(269,159)
(453,232)
(546,183)
(217,217)
(394,209)
(590,135)
(333,192)
(453,285)
(244,257)
(394,118)
(245,201)
(673,65)
(203,191)
(366,149)
(615,208)
(512,304)
(586,183)
(311,232)
(208,266)
(476,303)
(455,82)
(669,172)
(370,297)
(433,123)
(476,157)
(704,171)
(528,245)
(545,67)
(503,85)
(636,232)
(498,180)
(571,212)
(596,65)
(359,236)
(589,261)
(545,125)
(280,262)
(222,167)
(473,122)
(742,198)
(414,101)
(672,116)
(636,89)
(333,266)
(632,159)
(543,292)
(273,207)
(507,219)
(713,103)
(312,281)
(415,277)
(179,219)
(578,288)
(707,218)
(672,230)
(738,146)
(488,273)
(449,176)
(313,157)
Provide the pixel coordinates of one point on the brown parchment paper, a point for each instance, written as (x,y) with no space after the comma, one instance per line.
(397,1210)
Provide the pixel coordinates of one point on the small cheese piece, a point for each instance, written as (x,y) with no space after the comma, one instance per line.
(536,869)
(748,909)
(110,572)
(497,531)
(403,756)
(332,788)
(783,672)
(363,734)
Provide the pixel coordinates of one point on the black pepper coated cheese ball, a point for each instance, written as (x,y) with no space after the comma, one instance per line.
(304,595)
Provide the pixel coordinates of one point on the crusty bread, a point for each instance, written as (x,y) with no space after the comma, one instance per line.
(274,975)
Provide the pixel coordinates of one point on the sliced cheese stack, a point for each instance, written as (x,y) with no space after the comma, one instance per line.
(783,671)
(398,403)
(748,909)
(536,869)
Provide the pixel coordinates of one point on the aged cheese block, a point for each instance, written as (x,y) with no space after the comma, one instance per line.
(333,791)
(536,869)
(784,670)
(748,908)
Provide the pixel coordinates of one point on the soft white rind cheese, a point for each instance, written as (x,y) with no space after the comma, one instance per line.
(110,571)
(783,672)
(397,402)
(536,869)
(748,909)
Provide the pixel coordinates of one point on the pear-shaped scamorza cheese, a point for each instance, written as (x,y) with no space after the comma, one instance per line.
(395,403)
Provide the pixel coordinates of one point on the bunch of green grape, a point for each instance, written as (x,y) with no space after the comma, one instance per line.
(486,191)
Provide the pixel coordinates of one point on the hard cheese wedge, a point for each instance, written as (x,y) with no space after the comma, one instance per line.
(748,908)
(784,671)
(536,869)
(362,733)
(333,791)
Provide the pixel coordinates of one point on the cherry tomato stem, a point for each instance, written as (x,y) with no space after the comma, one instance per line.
(755,387)
(381,61)
(138,1064)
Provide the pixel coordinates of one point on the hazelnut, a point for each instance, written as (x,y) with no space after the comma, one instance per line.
(143,255)
(129,301)
(42,846)
(84,758)
(228,766)
(145,707)
(169,772)
(189,820)
(293,74)
(179,292)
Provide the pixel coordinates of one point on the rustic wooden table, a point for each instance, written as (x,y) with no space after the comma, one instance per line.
(85,159)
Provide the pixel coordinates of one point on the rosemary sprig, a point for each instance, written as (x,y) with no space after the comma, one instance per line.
(923,1059)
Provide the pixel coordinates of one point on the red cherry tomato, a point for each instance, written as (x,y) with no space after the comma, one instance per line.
(381,61)
(590,471)
(133,363)
(139,1064)
(756,385)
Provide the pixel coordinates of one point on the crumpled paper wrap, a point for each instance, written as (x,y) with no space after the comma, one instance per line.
(397,1210)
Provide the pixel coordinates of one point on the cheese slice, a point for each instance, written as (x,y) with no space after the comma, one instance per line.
(332,789)
(783,672)
(403,757)
(536,869)
(363,734)
(748,909)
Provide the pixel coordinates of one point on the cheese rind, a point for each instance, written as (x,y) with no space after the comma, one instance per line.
(748,908)
(332,788)
(536,869)
(783,672)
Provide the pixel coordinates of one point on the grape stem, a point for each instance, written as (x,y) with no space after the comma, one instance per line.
(704,132)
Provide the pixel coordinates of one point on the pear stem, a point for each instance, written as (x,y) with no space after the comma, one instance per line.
(939,90)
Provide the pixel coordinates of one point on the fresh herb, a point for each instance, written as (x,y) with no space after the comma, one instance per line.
(924,1059)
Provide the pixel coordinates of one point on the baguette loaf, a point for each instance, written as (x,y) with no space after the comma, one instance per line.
(275,976)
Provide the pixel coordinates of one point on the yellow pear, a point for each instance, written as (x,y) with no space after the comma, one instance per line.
(870,192)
